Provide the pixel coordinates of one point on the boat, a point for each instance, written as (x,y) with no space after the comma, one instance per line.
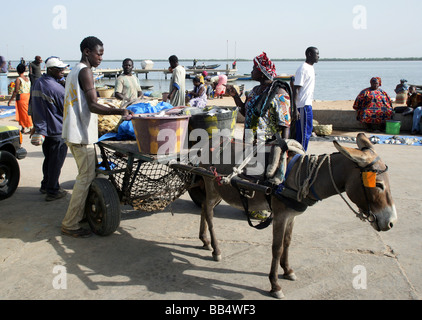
(244,77)
(211,66)
(232,78)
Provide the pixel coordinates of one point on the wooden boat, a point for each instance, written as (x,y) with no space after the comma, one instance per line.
(244,77)
(211,66)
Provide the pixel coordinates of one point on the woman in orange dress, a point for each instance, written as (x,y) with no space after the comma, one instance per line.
(22,94)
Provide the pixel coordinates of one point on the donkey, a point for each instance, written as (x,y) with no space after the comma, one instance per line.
(358,172)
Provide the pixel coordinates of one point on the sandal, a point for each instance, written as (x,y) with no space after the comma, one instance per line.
(79,233)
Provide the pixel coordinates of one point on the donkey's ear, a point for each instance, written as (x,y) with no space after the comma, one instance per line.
(363,142)
(362,158)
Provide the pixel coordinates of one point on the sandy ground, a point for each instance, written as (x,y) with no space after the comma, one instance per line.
(318,104)
(157,256)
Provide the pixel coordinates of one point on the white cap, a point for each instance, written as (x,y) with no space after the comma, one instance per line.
(55,62)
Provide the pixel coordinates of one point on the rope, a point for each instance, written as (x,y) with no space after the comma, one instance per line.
(358,214)
(239,170)
(313,168)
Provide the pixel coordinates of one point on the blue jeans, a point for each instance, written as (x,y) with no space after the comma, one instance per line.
(304,126)
(417,113)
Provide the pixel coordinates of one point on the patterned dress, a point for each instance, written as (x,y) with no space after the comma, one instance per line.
(373,106)
(22,104)
(271,120)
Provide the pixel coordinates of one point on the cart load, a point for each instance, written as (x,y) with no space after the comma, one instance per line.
(140,170)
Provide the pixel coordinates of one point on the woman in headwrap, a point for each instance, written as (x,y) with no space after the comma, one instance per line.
(22,94)
(267,107)
(373,106)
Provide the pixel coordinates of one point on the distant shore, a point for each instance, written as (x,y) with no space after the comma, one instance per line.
(279,59)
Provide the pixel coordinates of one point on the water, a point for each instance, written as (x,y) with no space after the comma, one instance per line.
(335,80)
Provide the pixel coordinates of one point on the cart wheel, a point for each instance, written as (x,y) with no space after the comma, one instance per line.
(102,207)
(9,174)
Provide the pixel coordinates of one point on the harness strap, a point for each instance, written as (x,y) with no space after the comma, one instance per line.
(264,224)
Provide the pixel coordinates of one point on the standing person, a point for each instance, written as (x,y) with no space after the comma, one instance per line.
(35,70)
(47,113)
(80,129)
(22,94)
(177,84)
(127,86)
(304,87)
(34,75)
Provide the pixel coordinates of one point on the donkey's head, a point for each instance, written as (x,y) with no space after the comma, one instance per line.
(368,186)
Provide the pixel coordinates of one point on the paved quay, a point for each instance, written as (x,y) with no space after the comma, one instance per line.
(158,256)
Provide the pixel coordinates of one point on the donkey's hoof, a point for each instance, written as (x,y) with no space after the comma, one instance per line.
(207,247)
(277,294)
(216,257)
(291,276)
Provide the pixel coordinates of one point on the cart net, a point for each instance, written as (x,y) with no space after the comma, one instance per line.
(146,186)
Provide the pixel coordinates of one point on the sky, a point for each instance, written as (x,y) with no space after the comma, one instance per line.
(217,29)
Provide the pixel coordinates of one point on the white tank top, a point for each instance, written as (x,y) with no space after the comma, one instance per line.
(80,126)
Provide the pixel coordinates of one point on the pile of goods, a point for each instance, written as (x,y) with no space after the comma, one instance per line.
(109,123)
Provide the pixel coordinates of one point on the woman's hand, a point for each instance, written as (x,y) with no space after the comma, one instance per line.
(231,91)
(127,114)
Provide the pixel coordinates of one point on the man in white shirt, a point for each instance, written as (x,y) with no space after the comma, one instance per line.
(304,87)
(80,129)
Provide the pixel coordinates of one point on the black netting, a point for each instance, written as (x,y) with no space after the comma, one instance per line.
(146,186)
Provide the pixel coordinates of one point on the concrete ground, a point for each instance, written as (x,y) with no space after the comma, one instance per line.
(158,256)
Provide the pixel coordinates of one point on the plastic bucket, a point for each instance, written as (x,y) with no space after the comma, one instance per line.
(213,120)
(392,127)
(160,135)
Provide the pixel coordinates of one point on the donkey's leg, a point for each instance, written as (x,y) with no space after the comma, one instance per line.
(284,261)
(203,230)
(209,215)
(279,228)
(211,200)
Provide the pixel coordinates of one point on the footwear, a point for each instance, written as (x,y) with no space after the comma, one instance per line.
(44,191)
(80,233)
(51,197)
